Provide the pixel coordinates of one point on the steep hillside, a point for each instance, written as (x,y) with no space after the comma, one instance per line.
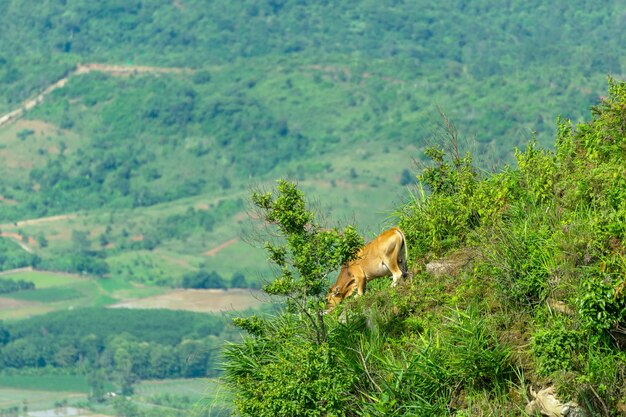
(518,297)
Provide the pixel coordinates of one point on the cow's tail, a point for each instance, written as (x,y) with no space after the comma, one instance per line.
(404,253)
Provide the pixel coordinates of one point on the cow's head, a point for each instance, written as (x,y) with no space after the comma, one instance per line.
(333,298)
(338,291)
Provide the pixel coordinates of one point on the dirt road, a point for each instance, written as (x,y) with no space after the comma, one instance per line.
(218,248)
(115,70)
(17,238)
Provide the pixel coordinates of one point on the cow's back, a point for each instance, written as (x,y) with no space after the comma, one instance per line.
(373,257)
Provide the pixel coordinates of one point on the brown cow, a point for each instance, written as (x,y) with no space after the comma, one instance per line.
(382,256)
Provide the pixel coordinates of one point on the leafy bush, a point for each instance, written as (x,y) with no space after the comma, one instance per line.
(601,297)
(288,378)
(306,253)
(459,202)
(557,348)
(203,279)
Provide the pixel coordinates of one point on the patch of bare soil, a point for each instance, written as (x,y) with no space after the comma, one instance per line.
(125,70)
(9,303)
(202,301)
(137,238)
(17,238)
(45,219)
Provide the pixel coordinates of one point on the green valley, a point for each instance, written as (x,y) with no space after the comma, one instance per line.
(133,134)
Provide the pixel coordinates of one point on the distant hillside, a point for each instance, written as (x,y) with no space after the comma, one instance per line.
(341,97)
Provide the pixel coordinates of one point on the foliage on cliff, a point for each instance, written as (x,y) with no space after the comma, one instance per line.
(541,299)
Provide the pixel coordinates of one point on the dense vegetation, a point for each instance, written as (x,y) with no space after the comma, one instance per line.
(261,91)
(9,285)
(116,345)
(368,71)
(542,301)
(12,256)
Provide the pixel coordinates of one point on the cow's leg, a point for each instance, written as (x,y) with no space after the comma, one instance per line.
(397,264)
(396,278)
(361,284)
(395,270)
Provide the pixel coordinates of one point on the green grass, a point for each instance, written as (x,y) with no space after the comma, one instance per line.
(36,400)
(46,279)
(203,394)
(195,389)
(65,291)
(43,391)
(113,285)
(83,294)
(59,383)
(49,295)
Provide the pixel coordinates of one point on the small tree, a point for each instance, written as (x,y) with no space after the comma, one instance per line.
(238,280)
(42,241)
(305,252)
(286,365)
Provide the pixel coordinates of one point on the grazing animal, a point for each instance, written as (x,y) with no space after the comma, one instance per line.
(381,257)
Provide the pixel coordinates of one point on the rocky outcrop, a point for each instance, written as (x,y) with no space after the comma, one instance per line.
(545,403)
(451,265)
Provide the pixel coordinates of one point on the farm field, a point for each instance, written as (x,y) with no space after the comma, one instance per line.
(200,394)
(201,301)
(44,279)
(41,392)
(46,392)
(58,291)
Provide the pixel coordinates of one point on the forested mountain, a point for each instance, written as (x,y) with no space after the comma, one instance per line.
(132,132)
(339,96)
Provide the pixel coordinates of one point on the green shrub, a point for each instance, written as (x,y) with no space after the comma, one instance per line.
(477,360)
(281,372)
(524,254)
(537,171)
(556,348)
(601,298)
(459,203)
